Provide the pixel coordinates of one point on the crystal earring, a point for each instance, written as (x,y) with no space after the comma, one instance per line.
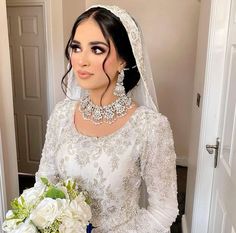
(119,88)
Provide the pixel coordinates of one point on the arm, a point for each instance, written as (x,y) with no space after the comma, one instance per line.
(158,170)
(159,173)
(47,167)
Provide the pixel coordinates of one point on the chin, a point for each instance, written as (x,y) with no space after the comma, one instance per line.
(92,88)
(91,85)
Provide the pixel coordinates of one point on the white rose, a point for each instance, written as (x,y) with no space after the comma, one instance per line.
(71,226)
(11,222)
(10,225)
(31,195)
(79,210)
(16,226)
(82,208)
(47,211)
(26,227)
(9,214)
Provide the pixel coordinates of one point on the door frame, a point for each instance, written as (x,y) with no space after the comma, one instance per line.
(213,83)
(8,160)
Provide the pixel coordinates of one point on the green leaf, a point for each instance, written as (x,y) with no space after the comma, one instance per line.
(55,193)
(19,209)
(45,181)
(14,204)
(22,200)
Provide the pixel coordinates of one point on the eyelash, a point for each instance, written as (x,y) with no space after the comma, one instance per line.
(74,48)
(95,49)
(101,50)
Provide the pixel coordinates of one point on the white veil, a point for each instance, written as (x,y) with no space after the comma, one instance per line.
(144,93)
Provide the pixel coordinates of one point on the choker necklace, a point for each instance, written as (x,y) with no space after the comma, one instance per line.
(104,114)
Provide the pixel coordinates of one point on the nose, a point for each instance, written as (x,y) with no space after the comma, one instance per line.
(83,59)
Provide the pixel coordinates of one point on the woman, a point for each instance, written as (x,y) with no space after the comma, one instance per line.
(108,133)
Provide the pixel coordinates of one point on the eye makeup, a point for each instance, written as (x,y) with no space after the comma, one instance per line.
(75,47)
(97,47)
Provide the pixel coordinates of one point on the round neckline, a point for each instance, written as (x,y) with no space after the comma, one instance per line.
(105,136)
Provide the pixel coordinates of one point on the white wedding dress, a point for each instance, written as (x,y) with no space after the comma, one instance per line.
(111,168)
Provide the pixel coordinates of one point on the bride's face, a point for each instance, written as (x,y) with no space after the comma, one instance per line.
(89,50)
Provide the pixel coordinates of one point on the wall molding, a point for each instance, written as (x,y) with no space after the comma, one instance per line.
(184,224)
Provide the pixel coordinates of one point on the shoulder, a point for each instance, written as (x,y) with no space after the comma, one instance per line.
(153,122)
(62,110)
(63,105)
(151,116)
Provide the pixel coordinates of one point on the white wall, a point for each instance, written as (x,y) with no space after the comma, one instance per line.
(8,143)
(60,18)
(170,31)
(196,112)
(71,10)
(55,44)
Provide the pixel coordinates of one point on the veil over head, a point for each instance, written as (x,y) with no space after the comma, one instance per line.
(144,93)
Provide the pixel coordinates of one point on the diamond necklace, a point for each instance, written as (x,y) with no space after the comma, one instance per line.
(104,114)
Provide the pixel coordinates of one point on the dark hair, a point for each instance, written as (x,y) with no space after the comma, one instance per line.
(112,28)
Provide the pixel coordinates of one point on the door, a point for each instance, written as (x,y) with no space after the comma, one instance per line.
(223,202)
(27,50)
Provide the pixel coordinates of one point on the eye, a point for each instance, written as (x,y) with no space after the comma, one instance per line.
(98,50)
(75,48)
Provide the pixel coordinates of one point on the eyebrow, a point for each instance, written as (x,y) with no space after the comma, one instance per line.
(91,43)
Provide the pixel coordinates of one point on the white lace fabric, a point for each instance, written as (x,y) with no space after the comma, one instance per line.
(111,169)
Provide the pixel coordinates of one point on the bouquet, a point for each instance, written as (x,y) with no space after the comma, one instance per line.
(49,208)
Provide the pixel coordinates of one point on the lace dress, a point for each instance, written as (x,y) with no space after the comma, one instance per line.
(112,168)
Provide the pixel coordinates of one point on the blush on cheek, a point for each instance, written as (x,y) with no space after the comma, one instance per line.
(110,68)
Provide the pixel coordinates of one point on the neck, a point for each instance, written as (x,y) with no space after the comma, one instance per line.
(98,98)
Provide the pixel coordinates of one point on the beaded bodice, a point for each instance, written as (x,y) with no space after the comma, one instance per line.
(112,168)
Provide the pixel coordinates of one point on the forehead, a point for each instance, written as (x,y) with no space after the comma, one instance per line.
(89,30)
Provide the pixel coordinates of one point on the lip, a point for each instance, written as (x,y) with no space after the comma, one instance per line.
(84,74)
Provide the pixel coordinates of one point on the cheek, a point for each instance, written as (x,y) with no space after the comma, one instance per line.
(111,66)
(97,66)
(94,63)
(73,60)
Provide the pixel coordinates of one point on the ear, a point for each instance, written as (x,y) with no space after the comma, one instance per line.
(122,64)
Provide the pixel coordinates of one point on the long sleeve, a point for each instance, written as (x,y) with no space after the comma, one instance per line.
(158,169)
(47,167)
